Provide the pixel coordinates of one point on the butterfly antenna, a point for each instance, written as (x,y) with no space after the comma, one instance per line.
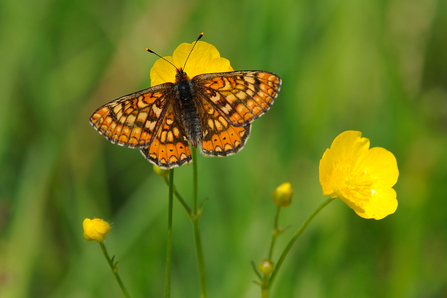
(150,51)
(200,36)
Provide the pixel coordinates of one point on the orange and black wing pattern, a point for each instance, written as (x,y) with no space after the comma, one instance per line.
(134,119)
(169,148)
(240,96)
(219,137)
(152,119)
(228,102)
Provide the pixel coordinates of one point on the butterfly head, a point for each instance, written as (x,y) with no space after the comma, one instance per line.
(181,75)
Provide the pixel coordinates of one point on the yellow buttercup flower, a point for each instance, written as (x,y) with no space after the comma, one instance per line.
(361,177)
(95,229)
(204,59)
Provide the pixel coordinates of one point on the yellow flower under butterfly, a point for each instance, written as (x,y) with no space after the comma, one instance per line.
(361,177)
(205,104)
(204,59)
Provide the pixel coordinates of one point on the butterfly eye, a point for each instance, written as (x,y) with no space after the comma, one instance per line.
(180,73)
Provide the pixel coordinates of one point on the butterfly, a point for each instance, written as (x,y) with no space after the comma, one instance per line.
(213,110)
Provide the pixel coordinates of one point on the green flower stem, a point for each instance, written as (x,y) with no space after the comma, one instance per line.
(195,222)
(114,270)
(195,178)
(179,197)
(194,215)
(200,259)
(275,233)
(265,292)
(267,286)
(169,238)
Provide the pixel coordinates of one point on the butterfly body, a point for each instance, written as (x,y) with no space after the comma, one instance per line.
(213,110)
(185,93)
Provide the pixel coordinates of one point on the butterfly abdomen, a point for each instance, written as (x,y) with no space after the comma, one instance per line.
(185,93)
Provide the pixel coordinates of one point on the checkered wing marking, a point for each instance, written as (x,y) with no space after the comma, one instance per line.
(169,148)
(240,96)
(131,120)
(219,137)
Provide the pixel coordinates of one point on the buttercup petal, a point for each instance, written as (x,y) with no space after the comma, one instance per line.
(349,145)
(163,72)
(325,172)
(383,203)
(383,164)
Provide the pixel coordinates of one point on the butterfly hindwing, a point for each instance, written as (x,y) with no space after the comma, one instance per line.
(219,137)
(131,120)
(240,96)
(170,146)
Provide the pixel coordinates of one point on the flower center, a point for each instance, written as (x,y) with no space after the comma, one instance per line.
(355,185)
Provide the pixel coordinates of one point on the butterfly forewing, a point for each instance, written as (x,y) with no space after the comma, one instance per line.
(132,119)
(240,96)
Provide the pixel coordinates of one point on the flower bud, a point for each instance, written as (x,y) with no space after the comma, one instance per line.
(95,229)
(161,172)
(282,196)
(266,267)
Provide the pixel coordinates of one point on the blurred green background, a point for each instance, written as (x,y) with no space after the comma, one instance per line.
(379,67)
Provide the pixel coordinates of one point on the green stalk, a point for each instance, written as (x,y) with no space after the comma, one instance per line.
(179,197)
(266,287)
(195,178)
(195,222)
(169,238)
(275,232)
(114,270)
